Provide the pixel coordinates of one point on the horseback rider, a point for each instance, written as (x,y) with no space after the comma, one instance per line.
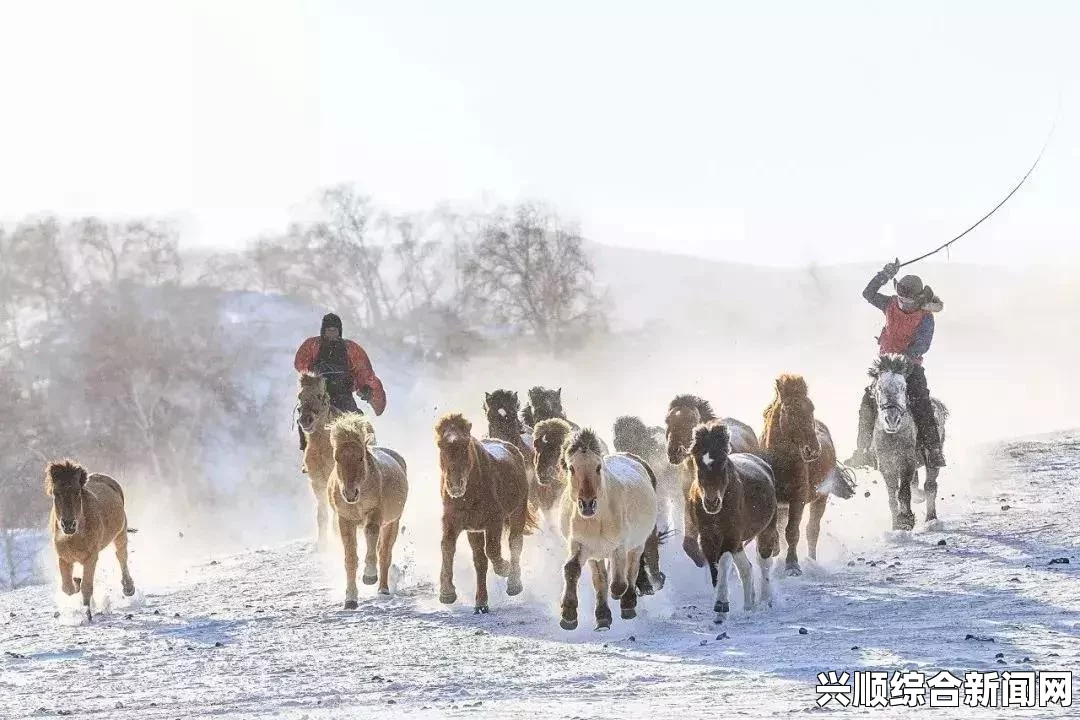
(908,331)
(345,367)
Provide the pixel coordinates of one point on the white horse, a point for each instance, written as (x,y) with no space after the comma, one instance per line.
(894,441)
(607,514)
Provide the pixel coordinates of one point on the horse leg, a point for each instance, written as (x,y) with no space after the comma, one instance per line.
(322,519)
(87,586)
(493,543)
(517,542)
(447,593)
(480,562)
(628,601)
(746,574)
(781,522)
(348,529)
(931,493)
(120,542)
(387,537)
(600,585)
(649,577)
(617,570)
(791,534)
(767,543)
(720,598)
(905,519)
(67,585)
(813,526)
(371,536)
(691,542)
(571,575)
(891,489)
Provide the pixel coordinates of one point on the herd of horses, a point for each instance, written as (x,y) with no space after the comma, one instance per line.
(536,470)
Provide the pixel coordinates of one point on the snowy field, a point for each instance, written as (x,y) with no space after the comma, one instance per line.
(261,633)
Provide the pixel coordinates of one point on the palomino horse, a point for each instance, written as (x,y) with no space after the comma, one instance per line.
(484,491)
(315,416)
(734,498)
(629,434)
(802,455)
(544,404)
(894,440)
(550,438)
(607,514)
(367,488)
(87,514)
(504,423)
(685,413)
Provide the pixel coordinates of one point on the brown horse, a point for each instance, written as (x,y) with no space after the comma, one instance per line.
(734,499)
(502,409)
(685,413)
(544,404)
(367,488)
(484,491)
(315,416)
(801,452)
(87,514)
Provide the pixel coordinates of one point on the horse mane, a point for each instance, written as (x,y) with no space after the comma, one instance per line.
(890,363)
(705,411)
(352,430)
(311,381)
(552,425)
(713,435)
(585,440)
(629,434)
(62,470)
(452,422)
(788,387)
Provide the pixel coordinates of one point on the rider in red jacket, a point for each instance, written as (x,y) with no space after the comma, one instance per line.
(909,330)
(345,367)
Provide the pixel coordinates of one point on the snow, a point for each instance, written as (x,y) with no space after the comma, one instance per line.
(260,633)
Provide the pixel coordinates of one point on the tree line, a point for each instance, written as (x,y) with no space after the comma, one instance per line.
(114,347)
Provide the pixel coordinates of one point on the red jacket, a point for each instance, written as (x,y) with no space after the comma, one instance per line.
(901,331)
(359,366)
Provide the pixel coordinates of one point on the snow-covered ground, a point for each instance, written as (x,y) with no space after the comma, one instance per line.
(260,633)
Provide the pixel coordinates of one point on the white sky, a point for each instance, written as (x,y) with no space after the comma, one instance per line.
(772,133)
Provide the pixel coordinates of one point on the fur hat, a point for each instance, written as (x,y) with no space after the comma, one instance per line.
(330,320)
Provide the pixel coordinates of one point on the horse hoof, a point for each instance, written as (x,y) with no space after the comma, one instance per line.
(719,619)
(568,623)
(721,607)
(370,579)
(89,615)
(448,597)
(514,587)
(384,591)
(618,590)
(629,613)
(480,610)
(603,624)
(351,604)
(793,570)
(129,590)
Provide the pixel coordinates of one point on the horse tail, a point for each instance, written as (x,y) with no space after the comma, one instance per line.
(352,430)
(840,481)
(532,523)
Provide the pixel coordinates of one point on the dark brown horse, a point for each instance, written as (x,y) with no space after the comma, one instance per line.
(801,452)
(734,498)
(685,413)
(484,491)
(502,409)
(544,404)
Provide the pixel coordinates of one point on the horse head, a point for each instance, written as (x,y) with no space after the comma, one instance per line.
(889,391)
(791,417)
(457,453)
(583,460)
(64,482)
(709,454)
(314,402)
(685,413)
(546,404)
(501,408)
(549,436)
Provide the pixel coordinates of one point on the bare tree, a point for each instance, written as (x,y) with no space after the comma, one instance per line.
(529,270)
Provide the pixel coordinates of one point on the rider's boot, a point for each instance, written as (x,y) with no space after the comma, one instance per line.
(862,457)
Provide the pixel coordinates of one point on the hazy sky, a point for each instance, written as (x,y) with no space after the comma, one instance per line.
(764,132)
